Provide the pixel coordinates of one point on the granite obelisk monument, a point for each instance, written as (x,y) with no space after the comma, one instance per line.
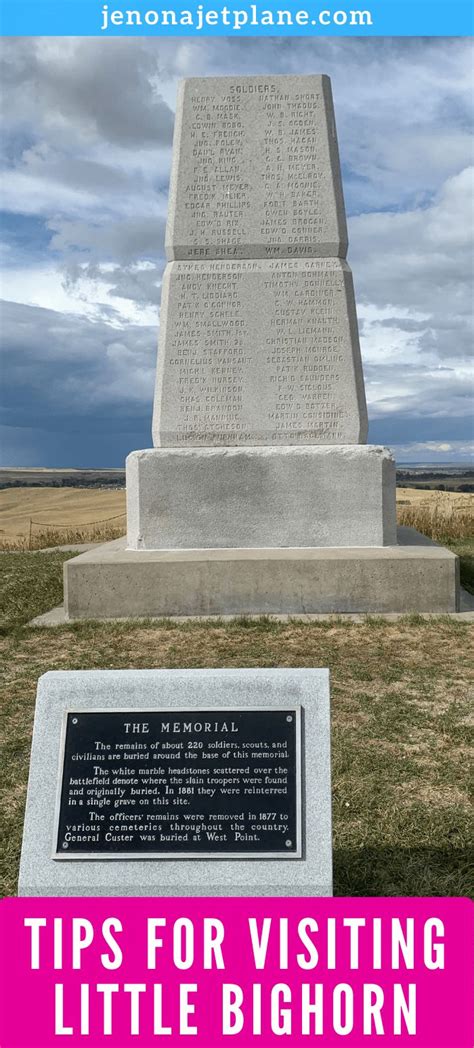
(259,359)
(261,494)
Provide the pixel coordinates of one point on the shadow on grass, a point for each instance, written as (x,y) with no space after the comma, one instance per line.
(467,573)
(392,871)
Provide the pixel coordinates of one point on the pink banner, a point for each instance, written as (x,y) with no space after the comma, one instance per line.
(236,971)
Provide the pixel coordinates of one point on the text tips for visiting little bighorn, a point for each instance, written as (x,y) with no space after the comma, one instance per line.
(218,968)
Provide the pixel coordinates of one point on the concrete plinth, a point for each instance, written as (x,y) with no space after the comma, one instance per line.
(261,497)
(113,582)
(43,873)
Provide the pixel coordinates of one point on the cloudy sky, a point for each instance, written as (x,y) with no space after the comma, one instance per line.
(87,147)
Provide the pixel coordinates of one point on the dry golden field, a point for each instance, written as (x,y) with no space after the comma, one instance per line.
(445,500)
(439,514)
(66,515)
(76,508)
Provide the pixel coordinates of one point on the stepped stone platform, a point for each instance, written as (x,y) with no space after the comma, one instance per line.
(113,582)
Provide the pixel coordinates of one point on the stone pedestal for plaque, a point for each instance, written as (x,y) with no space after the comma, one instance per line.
(219,784)
(260,474)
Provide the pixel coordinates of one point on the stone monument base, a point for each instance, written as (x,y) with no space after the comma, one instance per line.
(261,497)
(113,582)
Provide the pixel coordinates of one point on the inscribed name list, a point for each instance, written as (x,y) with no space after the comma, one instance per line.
(255,170)
(259,352)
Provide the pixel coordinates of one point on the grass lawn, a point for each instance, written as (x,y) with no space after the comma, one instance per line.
(401,720)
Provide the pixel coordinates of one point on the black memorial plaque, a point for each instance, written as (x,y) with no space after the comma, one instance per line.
(176,783)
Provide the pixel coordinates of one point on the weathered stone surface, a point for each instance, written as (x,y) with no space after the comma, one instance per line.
(259,352)
(255,170)
(261,497)
(191,689)
(253,503)
(113,582)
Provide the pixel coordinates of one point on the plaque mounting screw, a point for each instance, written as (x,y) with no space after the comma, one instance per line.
(288,844)
(65,845)
(74,720)
(289,719)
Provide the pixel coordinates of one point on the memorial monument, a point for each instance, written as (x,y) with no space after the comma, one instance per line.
(261,494)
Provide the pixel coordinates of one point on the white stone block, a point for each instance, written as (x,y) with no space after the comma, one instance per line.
(261,497)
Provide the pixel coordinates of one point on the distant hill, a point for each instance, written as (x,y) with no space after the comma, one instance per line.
(61,478)
(441,478)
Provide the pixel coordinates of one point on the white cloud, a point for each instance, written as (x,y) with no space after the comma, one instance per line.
(84,88)
(75,364)
(413,275)
(432,451)
(94,297)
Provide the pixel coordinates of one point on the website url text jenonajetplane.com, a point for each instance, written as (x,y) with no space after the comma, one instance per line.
(254,15)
